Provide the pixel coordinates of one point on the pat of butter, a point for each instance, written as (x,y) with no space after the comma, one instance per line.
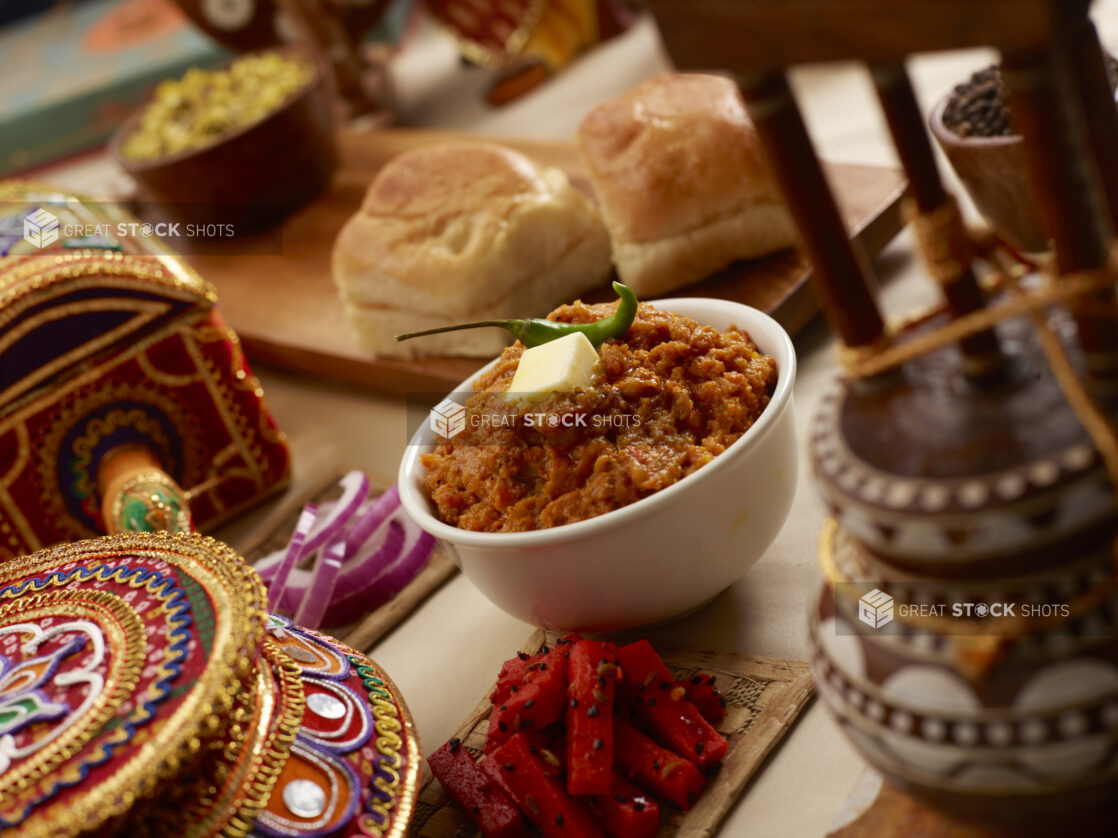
(558,366)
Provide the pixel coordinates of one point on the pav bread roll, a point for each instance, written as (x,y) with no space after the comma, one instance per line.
(681,181)
(464,231)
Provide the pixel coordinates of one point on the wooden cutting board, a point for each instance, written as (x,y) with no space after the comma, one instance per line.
(285,308)
(764,697)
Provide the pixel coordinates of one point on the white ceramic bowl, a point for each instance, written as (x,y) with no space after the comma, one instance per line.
(658,558)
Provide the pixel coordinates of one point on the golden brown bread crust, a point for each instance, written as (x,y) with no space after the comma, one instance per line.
(668,160)
(457,178)
(464,231)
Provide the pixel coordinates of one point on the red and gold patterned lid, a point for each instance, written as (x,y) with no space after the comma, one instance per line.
(123,661)
(228,785)
(354,765)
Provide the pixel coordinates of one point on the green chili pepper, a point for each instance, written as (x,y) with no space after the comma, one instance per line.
(538,331)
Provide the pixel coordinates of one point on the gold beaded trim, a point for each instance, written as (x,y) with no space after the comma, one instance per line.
(253,766)
(114,270)
(275,753)
(391,717)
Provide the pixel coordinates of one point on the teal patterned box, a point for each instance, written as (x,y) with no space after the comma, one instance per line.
(70,77)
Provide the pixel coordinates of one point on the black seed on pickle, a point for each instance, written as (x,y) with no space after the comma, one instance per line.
(574,702)
(559,819)
(509,766)
(455,744)
(501,726)
(593,711)
(529,703)
(599,744)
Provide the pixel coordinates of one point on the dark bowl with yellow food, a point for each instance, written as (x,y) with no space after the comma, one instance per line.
(243,145)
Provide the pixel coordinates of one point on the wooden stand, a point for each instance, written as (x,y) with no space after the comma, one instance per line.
(1046,44)
(958,473)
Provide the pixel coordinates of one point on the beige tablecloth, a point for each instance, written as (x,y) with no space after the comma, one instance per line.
(447,653)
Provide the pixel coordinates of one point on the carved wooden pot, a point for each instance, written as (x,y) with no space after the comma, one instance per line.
(954,503)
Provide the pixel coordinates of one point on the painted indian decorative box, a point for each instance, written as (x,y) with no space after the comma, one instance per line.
(146,691)
(125,400)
